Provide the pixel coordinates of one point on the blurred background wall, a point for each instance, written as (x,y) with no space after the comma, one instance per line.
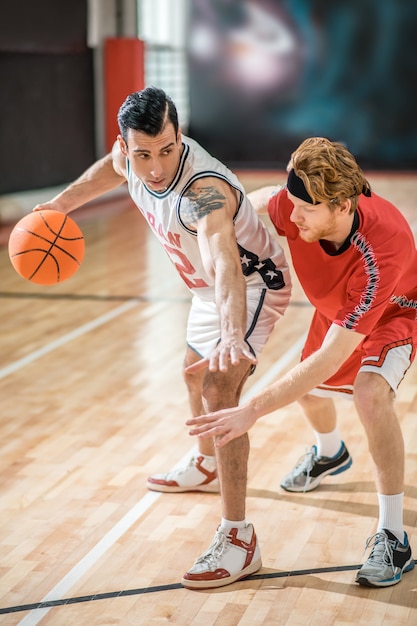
(47,93)
(264,75)
(251,79)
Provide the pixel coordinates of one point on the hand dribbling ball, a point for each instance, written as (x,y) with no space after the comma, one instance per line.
(46,247)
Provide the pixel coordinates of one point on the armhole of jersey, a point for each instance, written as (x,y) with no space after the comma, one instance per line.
(240,201)
(206,175)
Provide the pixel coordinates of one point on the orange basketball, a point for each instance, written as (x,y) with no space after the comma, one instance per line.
(46,247)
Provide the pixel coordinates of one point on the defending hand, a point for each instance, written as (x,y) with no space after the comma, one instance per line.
(223,425)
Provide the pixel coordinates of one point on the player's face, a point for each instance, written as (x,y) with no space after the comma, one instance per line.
(314,221)
(154,160)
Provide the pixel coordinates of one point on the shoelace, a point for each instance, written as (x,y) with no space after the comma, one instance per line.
(305,465)
(382,548)
(215,551)
(191,462)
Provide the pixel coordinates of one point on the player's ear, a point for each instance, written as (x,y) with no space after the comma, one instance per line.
(179,136)
(122,145)
(346,206)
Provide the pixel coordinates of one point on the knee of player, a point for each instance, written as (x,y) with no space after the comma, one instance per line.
(373,395)
(218,393)
(312,402)
(193,381)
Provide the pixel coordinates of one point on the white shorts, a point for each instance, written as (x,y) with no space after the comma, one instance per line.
(264,307)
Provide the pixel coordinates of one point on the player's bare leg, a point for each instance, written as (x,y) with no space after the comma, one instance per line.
(222,390)
(199,472)
(234,552)
(390,554)
(374,400)
(320,412)
(194,384)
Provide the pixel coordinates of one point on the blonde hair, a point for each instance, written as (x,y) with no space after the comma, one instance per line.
(329,172)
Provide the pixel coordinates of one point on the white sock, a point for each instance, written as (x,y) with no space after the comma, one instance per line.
(208,462)
(328,444)
(227,524)
(391,514)
(206,456)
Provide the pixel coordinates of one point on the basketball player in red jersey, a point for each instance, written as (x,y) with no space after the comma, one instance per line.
(240,283)
(355,257)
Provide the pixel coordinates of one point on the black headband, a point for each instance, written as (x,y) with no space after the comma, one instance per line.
(297,188)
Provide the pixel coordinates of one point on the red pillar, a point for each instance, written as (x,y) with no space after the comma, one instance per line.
(124,71)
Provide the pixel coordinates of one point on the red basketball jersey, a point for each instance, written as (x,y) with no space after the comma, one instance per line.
(372,277)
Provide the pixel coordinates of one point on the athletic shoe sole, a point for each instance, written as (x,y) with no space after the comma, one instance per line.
(166,488)
(366,582)
(222,582)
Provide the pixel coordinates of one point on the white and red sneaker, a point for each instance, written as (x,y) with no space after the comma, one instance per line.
(200,474)
(229,558)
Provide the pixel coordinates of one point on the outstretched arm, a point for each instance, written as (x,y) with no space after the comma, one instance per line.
(260,198)
(104,175)
(228,424)
(211,205)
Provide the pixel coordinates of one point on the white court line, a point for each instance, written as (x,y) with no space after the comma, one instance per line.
(69,580)
(53,345)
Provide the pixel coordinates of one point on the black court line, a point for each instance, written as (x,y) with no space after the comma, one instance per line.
(146,590)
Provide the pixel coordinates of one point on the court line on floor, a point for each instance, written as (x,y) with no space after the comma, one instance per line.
(69,580)
(78,332)
(157,588)
(74,334)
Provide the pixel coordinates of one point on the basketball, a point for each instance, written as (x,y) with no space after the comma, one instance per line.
(46,247)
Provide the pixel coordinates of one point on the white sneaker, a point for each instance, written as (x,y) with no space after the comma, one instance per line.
(199,475)
(229,558)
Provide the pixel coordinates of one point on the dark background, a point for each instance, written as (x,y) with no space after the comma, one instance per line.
(343,69)
(47,94)
(263,75)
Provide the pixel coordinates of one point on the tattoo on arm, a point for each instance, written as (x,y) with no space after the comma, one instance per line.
(200,202)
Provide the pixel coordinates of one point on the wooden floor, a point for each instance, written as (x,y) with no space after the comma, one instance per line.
(93,402)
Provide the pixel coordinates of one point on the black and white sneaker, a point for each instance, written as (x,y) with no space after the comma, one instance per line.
(388,560)
(311,469)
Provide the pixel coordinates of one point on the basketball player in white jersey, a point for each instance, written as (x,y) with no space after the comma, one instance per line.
(240,282)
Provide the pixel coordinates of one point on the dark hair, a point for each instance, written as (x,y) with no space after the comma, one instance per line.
(147,111)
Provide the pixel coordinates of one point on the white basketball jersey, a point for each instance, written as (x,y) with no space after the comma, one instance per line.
(262,258)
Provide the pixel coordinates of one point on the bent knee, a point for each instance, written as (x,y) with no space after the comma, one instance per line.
(372,393)
(193,381)
(309,401)
(222,389)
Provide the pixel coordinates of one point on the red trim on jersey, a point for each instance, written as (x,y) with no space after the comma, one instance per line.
(385,350)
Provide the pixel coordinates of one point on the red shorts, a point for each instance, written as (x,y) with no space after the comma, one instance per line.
(388,350)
